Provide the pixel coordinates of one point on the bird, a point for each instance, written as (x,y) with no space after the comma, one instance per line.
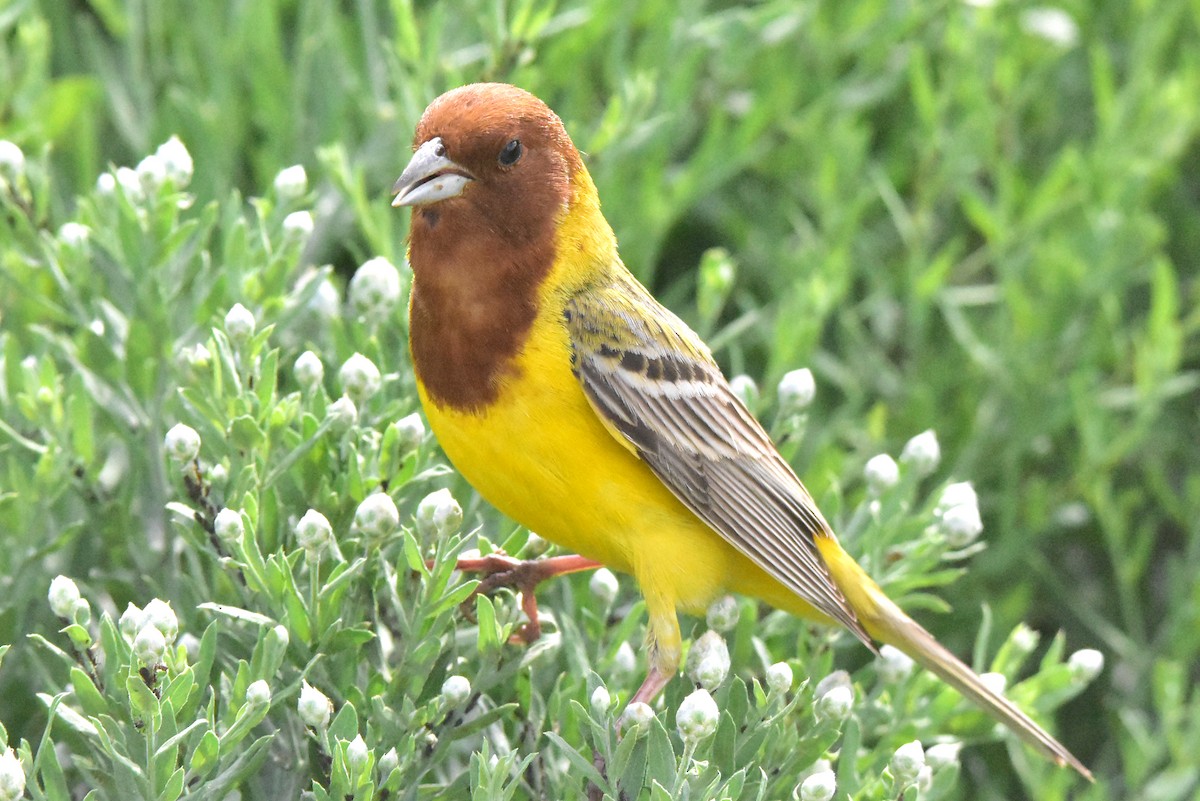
(581,407)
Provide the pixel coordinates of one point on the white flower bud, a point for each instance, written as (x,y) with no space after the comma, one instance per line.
(922,452)
(943,755)
(796,391)
(697,716)
(1024,639)
(131,621)
(239,324)
(456,690)
(308,370)
(298,225)
(74,235)
(745,389)
(182,443)
(130,183)
(924,780)
(375,288)
(438,515)
(637,716)
(780,678)
(996,682)
(291,182)
(535,546)
(624,660)
(12,773)
(1085,664)
(377,515)
(819,786)
(106,184)
(893,665)
(218,475)
(152,173)
(314,707)
(313,532)
(708,660)
(63,595)
(711,671)
(601,701)
(342,412)
(723,613)
(196,358)
(958,494)
(391,760)
(961,525)
(158,613)
(327,303)
(603,585)
(835,704)
(1054,25)
(356,756)
(410,433)
(229,526)
(149,645)
(907,762)
(12,160)
(258,694)
(280,636)
(360,377)
(176,161)
(882,473)
(1075,514)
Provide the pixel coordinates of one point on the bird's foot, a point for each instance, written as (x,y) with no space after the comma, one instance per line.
(523,575)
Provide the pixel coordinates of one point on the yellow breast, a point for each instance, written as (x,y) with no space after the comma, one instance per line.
(541,456)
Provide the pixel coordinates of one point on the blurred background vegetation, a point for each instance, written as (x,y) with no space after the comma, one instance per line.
(977,217)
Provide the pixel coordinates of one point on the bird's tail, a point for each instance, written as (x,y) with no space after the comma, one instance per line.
(887,622)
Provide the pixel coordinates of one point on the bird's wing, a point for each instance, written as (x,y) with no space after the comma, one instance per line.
(654,384)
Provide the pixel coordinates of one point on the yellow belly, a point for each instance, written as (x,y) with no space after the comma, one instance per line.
(541,456)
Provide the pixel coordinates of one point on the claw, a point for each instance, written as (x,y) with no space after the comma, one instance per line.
(523,575)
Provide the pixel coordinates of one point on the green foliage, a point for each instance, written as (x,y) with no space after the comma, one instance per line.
(960,217)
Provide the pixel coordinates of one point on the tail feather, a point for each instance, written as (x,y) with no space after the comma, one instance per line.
(886,622)
(897,629)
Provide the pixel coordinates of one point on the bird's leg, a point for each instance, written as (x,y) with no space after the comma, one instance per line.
(523,575)
(664,644)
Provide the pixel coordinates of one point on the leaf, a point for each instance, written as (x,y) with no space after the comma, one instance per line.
(243,766)
(847,776)
(173,788)
(68,716)
(488,640)
(142,702)
(237,613)
(481,722)
(348,640)
(89,697)
(345,723)
(724,746)
(177,739)
(176,690)
(204,756)
(633,771)
(661,761)
(582,763)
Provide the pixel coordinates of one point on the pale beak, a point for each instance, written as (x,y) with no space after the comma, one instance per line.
(429,177)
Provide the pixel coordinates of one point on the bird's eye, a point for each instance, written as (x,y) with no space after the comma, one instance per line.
(510,153)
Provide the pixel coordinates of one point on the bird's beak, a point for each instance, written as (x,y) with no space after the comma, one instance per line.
(429,177)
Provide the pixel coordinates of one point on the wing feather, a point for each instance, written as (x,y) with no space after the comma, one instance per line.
(649,377)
